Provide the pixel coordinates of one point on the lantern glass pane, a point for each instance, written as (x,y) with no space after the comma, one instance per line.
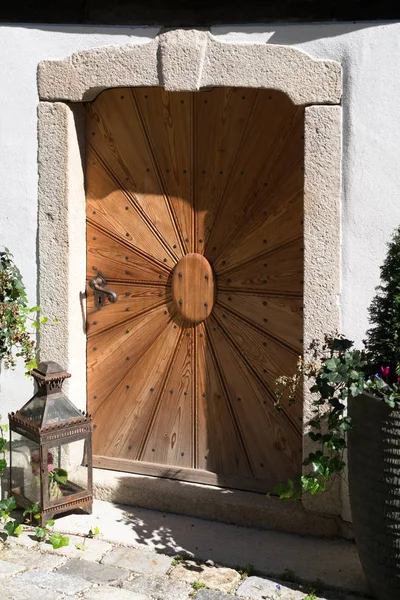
(50,409)
(67,470)
(25,468)
(59,408)
(34,409)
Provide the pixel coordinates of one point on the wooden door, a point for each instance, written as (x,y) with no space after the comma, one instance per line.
(194,217)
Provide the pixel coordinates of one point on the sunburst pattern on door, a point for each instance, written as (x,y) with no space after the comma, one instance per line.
(194,217)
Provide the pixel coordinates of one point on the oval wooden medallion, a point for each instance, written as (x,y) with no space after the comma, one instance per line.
(193,288)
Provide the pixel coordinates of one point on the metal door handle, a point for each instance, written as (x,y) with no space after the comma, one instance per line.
(97,284)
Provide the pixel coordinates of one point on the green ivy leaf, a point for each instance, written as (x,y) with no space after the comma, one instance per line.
(80,546)
(60,476)
(345,424)
(332,364)
(32,512)
(8,504)
(40,533)
(335,377)
(13,528)
(315,437)
(57,540)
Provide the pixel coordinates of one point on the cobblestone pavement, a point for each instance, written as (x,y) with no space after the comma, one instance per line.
(103,571)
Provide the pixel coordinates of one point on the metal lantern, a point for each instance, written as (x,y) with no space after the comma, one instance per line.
(51,448)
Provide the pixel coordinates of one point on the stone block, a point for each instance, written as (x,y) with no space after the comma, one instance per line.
(31,558)
(26,539)
(139,561)
(8,569)
(258,588)
(22,590)
(93,571)
(189,59)
(182,53)
(212,595)
(111,593)
(85,74)
(159,588)
(215,578)
(58,584)
(94,549)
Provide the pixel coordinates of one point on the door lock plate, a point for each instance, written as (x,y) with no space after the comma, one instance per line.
(101,293)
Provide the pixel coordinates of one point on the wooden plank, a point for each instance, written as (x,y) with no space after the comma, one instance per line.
(271,147)
(220,448)
(278,272)
(221,116)
(113,353)
(167,121)
(263,358)
(132,301)
(269,226)
(170,439)
(273,447)
(122,419)
(280,317)
(117,260)
(119,142)
(262,486)
(110,209)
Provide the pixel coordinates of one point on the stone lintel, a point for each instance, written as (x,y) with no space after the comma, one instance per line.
(188,60)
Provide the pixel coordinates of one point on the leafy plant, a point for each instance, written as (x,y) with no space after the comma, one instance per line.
(198,585)
(59,476)
(32,512)
(176,560)
(14,527)
(383,338)
(81,546)
(11,526)
(90,535)
(6,507)
(56,539)
(15,340)
(93,532)
(336,372)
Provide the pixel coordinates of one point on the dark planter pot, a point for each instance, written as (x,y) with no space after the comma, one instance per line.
(374,482)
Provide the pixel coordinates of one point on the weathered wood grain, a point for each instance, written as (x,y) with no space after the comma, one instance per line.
(195,218)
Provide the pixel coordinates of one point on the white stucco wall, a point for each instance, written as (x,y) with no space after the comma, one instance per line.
(21,49)
(369,54)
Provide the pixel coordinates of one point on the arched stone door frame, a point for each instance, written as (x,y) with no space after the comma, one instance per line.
(181,60)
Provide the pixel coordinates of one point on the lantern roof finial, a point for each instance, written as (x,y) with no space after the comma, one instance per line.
(49,407)
(49,370)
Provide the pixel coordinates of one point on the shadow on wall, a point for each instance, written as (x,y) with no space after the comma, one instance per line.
(288,33)
(271,33)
